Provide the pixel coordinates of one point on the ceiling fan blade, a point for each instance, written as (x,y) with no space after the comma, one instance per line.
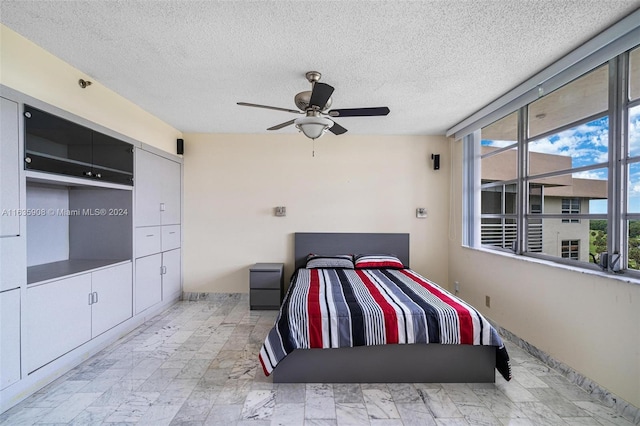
(337,129)
(270,107)
(320,95)
(281,125)
(359,112)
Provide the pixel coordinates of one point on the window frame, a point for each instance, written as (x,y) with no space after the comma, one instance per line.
(617,215)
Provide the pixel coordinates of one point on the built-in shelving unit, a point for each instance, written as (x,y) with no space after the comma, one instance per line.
(84,255)
(75,228)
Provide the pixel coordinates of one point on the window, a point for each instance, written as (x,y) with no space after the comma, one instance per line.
(560,177)
(570,206)
(499,162)
(571,249)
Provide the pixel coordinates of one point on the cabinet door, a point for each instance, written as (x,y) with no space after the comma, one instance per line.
(56,145)
(112,159)
(148,284)
(9,169)
(148,188)
(171,192)
(9,337)
(171,283)
(57,320)
(13,262)
(113,302)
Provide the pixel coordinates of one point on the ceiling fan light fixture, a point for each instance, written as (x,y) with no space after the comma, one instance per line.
(313,127)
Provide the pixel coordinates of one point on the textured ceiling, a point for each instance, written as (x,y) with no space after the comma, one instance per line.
(433,63)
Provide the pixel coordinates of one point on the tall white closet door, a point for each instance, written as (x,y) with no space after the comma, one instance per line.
(9,169)
(171,177)
(148,188)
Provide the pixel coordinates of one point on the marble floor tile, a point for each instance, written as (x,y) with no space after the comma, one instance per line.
(439,403)
(348,392)
(319,407)
(196,364)
(259,405)
(286,414)
(380,404)
(415,414)
(290,393)
(351,414)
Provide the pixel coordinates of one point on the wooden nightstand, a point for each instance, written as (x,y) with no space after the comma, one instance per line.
(266,285)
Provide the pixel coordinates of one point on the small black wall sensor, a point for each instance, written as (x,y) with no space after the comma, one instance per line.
(436,161)
(180,147)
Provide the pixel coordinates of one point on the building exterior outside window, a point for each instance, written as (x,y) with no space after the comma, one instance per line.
(559,178)
(570,206)
(571,249)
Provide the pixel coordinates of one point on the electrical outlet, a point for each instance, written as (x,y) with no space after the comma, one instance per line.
(487,301)
(456,287)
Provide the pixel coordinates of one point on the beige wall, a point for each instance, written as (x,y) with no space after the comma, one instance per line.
(30,69)
(588,322)
(353,184)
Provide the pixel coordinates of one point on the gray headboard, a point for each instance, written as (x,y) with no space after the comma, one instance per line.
(350,243)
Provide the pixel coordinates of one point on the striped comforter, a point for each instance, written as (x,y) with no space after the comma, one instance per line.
(331,308)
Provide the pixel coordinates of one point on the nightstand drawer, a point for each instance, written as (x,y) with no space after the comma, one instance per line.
(267,299)
(265,280)
(266,285)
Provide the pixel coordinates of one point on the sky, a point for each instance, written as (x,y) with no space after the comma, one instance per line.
(587,144)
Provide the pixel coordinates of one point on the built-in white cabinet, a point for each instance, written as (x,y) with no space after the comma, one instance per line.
(148,281)
(12,262)
(171,275)
(57,320)
(90,236)
(9,169)
(60,314)
(9,337)
(158,187)
(158,230)
(113,302)
(158,278)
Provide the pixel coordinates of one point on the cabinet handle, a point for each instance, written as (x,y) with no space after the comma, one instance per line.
(95,300)
(98,175)
(90,298)
(27,160)
(163,270)
(88,174)
(171,233)
(162,207)
(150,235)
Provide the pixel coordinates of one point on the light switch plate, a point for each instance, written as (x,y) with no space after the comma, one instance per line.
(421,213)
(281,211)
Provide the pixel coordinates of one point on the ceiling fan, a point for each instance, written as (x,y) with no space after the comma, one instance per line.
(315,104)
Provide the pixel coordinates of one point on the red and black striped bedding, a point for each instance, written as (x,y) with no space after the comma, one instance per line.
(331,308)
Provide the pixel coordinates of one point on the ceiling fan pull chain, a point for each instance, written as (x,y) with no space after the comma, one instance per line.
(313,147)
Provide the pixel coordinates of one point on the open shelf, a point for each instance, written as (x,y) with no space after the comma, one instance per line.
(66,268)
(56,179)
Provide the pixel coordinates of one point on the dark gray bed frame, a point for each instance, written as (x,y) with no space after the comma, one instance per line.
(380,364)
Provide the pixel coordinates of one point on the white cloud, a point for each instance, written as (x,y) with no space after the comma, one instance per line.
(586,144)
(591,174)
(497,144)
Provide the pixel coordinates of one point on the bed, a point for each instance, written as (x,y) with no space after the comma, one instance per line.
(379,322)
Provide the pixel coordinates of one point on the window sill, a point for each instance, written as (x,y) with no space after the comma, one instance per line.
(618,277)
